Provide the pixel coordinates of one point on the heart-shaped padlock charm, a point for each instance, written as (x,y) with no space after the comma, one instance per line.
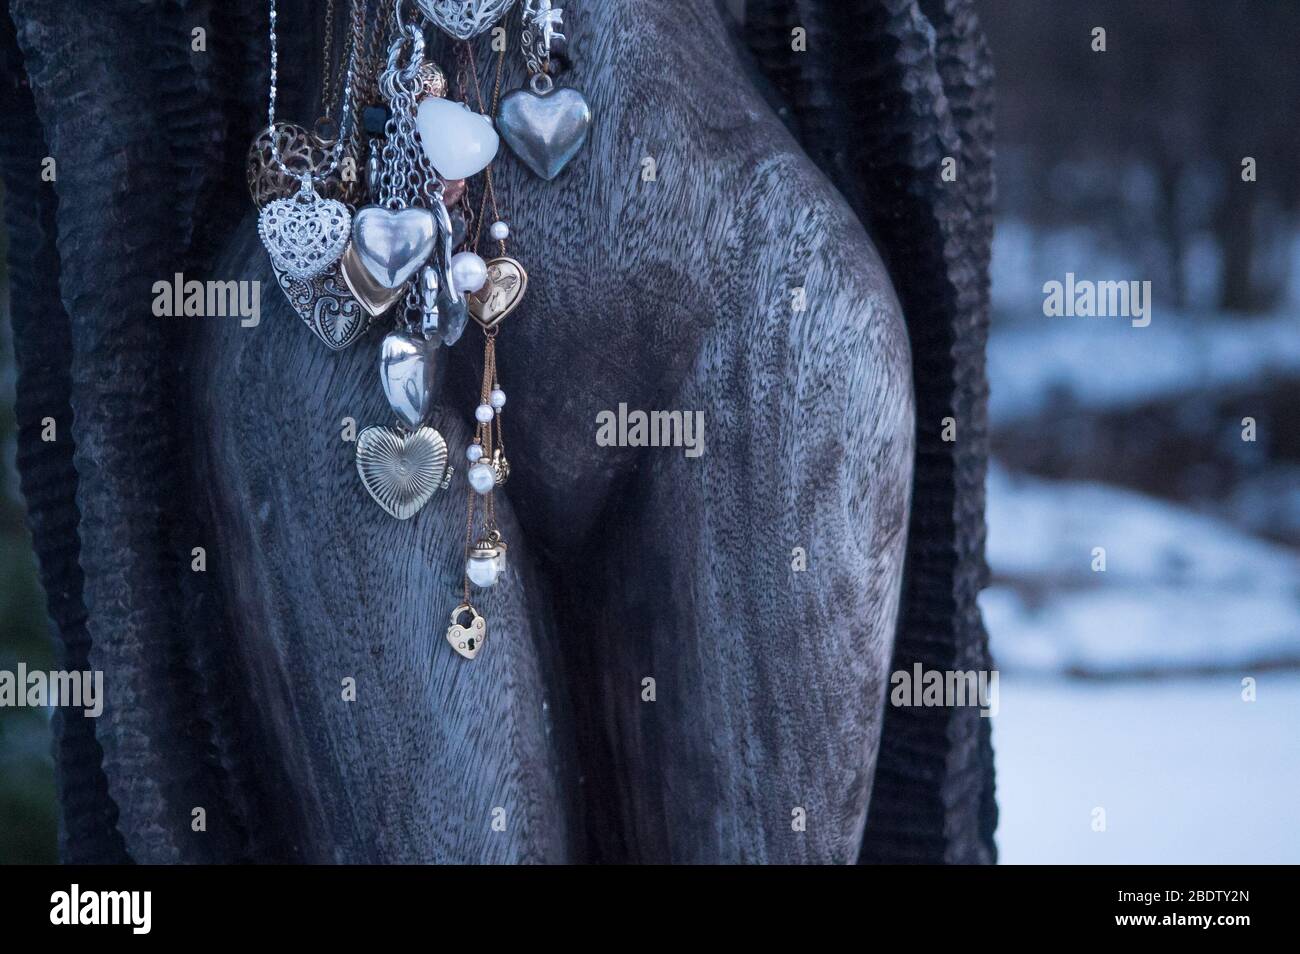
(467,639)
(402,471)
(304,233)
(325,306)
(506,284)
(407,371)
(392,244)
(544,129)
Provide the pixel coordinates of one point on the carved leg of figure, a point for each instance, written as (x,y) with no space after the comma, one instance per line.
(678,292)
(768,685)
(435,760)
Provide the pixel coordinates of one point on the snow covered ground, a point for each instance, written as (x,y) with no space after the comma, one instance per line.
(1184,769)
(1180,591)
(1105,363)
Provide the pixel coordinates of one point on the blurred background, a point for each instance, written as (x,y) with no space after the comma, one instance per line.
(27,808)
(1122,690)
(1124,732)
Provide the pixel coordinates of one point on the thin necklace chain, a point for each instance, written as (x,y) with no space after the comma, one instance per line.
(345,114)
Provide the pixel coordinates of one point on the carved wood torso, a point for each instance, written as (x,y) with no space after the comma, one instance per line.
(627,563)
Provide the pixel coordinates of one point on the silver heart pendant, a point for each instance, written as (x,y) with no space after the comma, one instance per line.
(392,244)
(544,129)
(408,371)
(402,471)
(464,19)
(325,306)
(304,233)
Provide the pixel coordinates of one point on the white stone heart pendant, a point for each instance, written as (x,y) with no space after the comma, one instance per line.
(304,234)
(458,141)
(392,244)
(402,471)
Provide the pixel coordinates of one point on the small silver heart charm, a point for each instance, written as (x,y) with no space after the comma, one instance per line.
(304,234)
(544,129)
(325,306)
(402,471)
(464,19)
(392,244)
(408,371)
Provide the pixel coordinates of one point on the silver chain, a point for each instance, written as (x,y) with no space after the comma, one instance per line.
(406,177)
(345,116)
(541,22)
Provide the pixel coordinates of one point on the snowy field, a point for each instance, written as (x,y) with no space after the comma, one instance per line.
(1186,772)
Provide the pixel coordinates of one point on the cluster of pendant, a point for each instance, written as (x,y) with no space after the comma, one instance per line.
(395,257)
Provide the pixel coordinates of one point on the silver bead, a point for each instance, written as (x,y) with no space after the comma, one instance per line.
(484,413)
(498,398)
(499,231)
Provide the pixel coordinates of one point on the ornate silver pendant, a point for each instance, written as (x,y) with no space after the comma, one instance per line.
(325,306)
(402,471)
(464,19)
(304,234)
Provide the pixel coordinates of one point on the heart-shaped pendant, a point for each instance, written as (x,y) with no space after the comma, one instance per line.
(506,284)
(467,638)
(402,471)
(304,234)
(408,371)
(545,130)
(464,19)
(325,306)
(458,141)
(369,294)
(301,150)
(392,244)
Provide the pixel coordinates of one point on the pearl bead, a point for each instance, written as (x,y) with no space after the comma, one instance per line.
(498,398)
(499,231)
(482,478)
(468,272)
(474,452)
(483,413)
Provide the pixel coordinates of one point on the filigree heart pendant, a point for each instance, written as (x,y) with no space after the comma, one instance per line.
(506,284)
(304,234)
(402,471)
